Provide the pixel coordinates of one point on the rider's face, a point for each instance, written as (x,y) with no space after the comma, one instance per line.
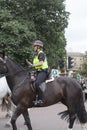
(35,48)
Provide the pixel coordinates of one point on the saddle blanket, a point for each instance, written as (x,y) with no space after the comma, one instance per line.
(43,85)
(50,80)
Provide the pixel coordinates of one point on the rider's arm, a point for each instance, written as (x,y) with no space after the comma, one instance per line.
(41,58)
(39,64)
(28,62)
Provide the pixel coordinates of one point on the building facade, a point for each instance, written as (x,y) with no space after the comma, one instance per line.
(78,59)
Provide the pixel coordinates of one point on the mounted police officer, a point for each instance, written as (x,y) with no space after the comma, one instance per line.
(41,66)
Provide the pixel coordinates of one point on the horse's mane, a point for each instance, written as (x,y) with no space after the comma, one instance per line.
(17,65)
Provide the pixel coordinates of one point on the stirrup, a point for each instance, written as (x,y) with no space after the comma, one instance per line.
(38,103)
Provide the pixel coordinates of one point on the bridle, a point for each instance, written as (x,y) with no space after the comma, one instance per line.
(6,73)
(26,69)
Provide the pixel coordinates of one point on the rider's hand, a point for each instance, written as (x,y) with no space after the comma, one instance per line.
(28,62)
(31,67)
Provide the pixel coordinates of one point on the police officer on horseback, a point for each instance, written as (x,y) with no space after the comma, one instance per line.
(41,66)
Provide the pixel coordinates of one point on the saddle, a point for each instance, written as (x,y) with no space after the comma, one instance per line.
(43,85)
(39,91)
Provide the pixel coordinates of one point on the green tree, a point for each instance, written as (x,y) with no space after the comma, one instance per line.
(50,20)
(23,21)
(84,69)
(16,32)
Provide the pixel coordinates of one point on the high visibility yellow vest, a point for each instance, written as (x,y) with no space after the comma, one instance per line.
(36,61)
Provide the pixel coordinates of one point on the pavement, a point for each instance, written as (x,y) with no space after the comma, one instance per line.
(45,118)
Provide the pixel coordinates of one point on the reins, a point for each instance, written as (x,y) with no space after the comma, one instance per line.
(26,69)
(21,82)
(7,74)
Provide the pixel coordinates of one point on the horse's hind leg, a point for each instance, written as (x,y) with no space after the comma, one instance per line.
(27,120)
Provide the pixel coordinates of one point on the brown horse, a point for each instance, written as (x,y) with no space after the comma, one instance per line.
(63,89)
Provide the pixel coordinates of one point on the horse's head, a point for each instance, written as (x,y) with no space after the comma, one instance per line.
(3,66)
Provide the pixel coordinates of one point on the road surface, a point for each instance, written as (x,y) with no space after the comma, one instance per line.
(41,119)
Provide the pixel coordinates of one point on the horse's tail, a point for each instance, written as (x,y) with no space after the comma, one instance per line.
(64,115)
(81,111)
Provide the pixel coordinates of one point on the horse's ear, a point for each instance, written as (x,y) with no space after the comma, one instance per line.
(3,54)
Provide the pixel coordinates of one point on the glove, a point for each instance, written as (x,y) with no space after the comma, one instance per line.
(31,67)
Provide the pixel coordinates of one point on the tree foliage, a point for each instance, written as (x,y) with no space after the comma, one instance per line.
(84,69)
(23,21)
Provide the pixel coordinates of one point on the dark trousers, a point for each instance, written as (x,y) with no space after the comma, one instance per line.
(41,77)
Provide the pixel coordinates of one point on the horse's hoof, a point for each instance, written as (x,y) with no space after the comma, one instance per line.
(7,116)
(7,125)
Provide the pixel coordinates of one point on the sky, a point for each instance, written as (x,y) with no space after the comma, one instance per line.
(76,33)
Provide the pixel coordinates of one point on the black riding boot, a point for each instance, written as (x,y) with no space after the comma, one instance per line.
(39,101)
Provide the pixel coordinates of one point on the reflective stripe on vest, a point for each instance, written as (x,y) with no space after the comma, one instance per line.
(36,61)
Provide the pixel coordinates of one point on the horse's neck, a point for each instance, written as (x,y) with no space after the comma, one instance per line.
(15,74)
(13,68)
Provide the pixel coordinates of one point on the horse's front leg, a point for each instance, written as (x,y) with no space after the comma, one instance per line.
(72,118)
(15,115)
(27,120)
